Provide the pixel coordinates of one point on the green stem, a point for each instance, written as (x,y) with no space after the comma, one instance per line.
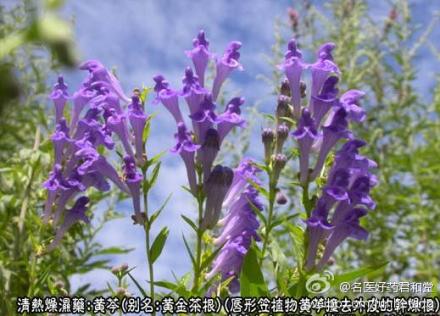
(200,231)
(308,209)
(268,228)
(147,235)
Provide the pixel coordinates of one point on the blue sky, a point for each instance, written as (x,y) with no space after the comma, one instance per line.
(143,38)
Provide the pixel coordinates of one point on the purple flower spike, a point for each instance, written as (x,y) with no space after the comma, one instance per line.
(225,65)
(322,103)
(317,228)
(137,119)
(332,134)
(117,124)
(336,190)
(305,134)
(205,118)
(322,68)
(60,138)
(72,216)
(349,227)
(53,185)
(200,55)
(192,91)
(186,149)
(209,151)
(350,101)
(293,66)
(133,179)
(59,97)
(97,72)
(216,187)
(231,117)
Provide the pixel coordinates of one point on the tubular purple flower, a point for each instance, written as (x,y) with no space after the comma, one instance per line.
(137,119)
(200,55)
(322,68)
(350,101)
(305,134)
(293,66)
(267,138)
(282,133)
(209,151)
(133,179)
(59,139)
(225,65)
(216,187)
(243,174)
(186,149)
(331,135)
(53,185)
(279,162)
(192,91)
(80,100)
(205,118)
(159,84)
(72,216)
(336,189)
(229,261)
(349,227)
(170,100)
(59,96)
(92,161)
(97,72)
(317,228)
(323,102)
(230,118)
(117,124)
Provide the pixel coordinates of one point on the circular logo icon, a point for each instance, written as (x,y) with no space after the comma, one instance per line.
(319,283)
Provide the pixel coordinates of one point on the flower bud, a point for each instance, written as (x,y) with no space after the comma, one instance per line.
(282,133)
(279,162)
(280,198)
(283,109)
(285,88)
(267,137)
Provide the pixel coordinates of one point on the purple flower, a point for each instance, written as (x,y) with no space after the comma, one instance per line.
(322,68)
(216,187)
(225,65)
(53,185)
(137,119)
(245,172)
(59,97)
(331,135)
(282,133)
(205,118)
(317,229)
(267,138)
(293,66)
(160,83)
(170,100)
(336,189)
(350,101)
(60,138)
(92,161)
(322,103)
(349,227)
(200,55)
(97,72)
(209,151)
(305,134)
(230,118)
(230,259)
(186,149)
(192,91)
(117,124)
(133,179)
(72,216)
(80,100)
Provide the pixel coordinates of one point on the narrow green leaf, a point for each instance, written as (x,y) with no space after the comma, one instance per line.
(166,285)
(158,244)
(114,251)
(189,250)
(154,175)
(252,282)
(358,273)
(156,214)
(137,285)
(190,222)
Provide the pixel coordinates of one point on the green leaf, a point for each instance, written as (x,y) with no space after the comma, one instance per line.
(190,222)
(358,273)
(166,285)
(137,285)
(158,244)
(252,282)
(297,235)
(189,250)
(114,251)
(154,175)
(156,158)
(156,214)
